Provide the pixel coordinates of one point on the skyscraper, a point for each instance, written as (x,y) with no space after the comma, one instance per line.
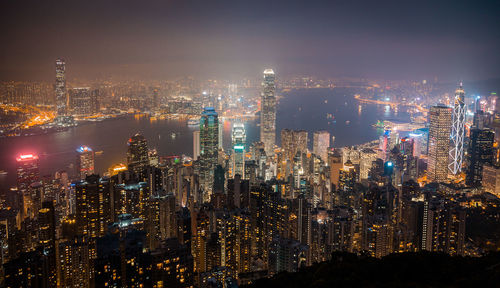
(61,87)
(196,144)
(457,132)
(137,154)
(238,157)
(209,138)
(321,143)
(268,112)
(480,152)
(439,143)
(93,207)
(84,161)
(293,141)
(83,101)
(27,171)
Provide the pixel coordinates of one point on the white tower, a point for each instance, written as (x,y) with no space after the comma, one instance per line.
(457,132)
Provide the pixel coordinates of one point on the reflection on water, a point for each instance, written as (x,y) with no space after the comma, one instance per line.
(312,109)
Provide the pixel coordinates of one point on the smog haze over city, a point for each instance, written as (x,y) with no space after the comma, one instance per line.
(160,39)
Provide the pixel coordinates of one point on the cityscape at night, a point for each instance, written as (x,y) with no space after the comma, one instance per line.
(249,143)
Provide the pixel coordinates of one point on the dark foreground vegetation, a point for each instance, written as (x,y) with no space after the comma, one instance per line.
(422,269)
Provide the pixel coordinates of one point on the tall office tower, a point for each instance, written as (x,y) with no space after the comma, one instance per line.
(239,140)
(209,138)
(221,135)
(293,142)
(268,112)
(409,163)
(439,143)
(479,153)
(137,154)
(93,207)
(366,158)
(27,171)
(80,101)
(347,180)
(84,161)
(47,226)
(61,87)
(335,163)
(94,101)
(321,144)
(196,144)
(458,132)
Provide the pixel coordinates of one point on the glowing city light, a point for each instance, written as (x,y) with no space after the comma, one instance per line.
(27,157)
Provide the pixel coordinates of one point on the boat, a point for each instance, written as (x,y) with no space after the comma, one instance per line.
(173,135)
(99,152)
(193,122)
(3,172)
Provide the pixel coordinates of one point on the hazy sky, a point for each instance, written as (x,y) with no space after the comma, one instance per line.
(159,39)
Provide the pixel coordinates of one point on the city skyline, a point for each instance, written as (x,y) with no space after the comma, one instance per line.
(230,144)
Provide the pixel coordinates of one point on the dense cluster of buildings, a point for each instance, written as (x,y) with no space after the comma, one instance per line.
(226,218)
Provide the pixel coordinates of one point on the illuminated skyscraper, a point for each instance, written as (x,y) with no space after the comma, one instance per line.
(480,152)
(137,154)
(61,87)
(458,132)
(321,143)
(83,101)
(293,142)
(238,157)
(209,136)
(84,161)
(268,112)
(27,171)
(439,143)
(93,207)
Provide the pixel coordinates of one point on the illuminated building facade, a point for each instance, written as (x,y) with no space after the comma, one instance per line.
(268,112)
(439,143)
(61,101)
(84,161)
(480,152)
(137,154)
(27,171)
(458,132)
(293,142)
(93,207)
(209,138)
(321,142)
(238,156)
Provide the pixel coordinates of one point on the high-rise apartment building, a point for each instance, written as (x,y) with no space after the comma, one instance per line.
(84,161)
(137,154)
(93,208)
(439,143)
(61,100)
(268,112)
(83,101)
(321,142)
(292,142)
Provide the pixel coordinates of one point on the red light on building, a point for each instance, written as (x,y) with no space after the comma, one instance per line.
(23,157)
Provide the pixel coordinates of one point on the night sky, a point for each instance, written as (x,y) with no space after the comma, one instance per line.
(161,39)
